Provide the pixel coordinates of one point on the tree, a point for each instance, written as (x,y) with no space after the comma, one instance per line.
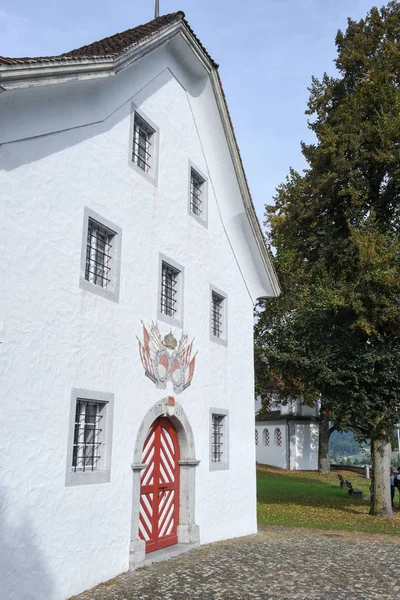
(324,464)
(335,229)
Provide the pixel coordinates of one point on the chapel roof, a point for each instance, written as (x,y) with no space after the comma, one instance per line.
(276,415)
(114,45)
(271,415)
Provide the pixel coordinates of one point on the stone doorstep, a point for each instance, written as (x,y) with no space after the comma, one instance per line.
(166,553)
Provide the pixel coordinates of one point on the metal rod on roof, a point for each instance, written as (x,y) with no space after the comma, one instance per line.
(157,9)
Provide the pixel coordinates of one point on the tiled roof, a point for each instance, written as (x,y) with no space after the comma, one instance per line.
(119,42)
(108,47)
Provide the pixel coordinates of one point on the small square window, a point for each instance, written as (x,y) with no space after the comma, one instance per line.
(170,302)
(198,201)
(216,314)
(87,451)
(196,193)
(90,436)
(169,290)
(218,317)
(142,149)
(217,438)
(219,457)
(99,254)
(100,258)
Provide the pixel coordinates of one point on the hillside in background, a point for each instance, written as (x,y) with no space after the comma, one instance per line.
(344,448)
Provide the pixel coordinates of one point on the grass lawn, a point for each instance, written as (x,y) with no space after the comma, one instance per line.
(315,500)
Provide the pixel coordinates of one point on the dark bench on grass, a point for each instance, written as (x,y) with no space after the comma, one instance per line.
(355,493)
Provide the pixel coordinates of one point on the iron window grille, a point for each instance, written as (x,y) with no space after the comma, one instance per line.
(169,290)
(278,437)
(142,144)
(86,449)
(256,437)
(216,314)
(266,437)
(217,438)
(196,192)
(98,254)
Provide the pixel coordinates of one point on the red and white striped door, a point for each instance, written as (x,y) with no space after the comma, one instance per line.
(159,488)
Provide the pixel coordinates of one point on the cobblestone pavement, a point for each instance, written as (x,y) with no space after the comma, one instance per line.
(278,563)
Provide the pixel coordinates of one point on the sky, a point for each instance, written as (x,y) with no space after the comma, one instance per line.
(267,50)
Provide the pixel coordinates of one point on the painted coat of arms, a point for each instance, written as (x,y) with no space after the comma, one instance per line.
(166,359)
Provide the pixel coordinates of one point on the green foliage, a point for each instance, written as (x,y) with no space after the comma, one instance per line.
(336,230)
(343,443)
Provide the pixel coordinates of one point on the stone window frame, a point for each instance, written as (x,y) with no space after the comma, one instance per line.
(223,339)
(177,319)
(203,218)
(152,174)
(111,292)
(103,474)
(224,464)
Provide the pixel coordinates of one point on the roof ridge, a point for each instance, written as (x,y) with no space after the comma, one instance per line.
(162,20)
(109,46)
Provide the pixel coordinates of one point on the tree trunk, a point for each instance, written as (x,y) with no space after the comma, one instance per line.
(324,465)
(381,451)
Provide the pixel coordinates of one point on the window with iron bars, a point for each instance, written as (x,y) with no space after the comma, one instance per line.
(216,314)
(196,193)
(98,254)
(278,437)
(169,290)
(86,453)
(217,438)
(266,437)
(142,143)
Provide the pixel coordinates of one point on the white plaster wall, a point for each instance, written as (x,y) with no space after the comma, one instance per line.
(56,541)
(305,448)
(271,455)
(309,411)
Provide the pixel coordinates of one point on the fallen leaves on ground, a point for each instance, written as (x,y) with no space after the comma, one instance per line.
(315,500)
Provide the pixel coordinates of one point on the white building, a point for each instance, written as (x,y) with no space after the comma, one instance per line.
(132,259)
(287,436)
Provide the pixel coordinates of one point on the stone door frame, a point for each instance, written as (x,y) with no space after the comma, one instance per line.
(188,531)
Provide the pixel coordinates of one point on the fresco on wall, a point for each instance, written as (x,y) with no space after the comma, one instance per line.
(164,359)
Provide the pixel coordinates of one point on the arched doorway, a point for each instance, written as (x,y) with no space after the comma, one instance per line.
(159,487)
(187,531)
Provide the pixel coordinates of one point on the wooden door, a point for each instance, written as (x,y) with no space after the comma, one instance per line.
(159,487)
